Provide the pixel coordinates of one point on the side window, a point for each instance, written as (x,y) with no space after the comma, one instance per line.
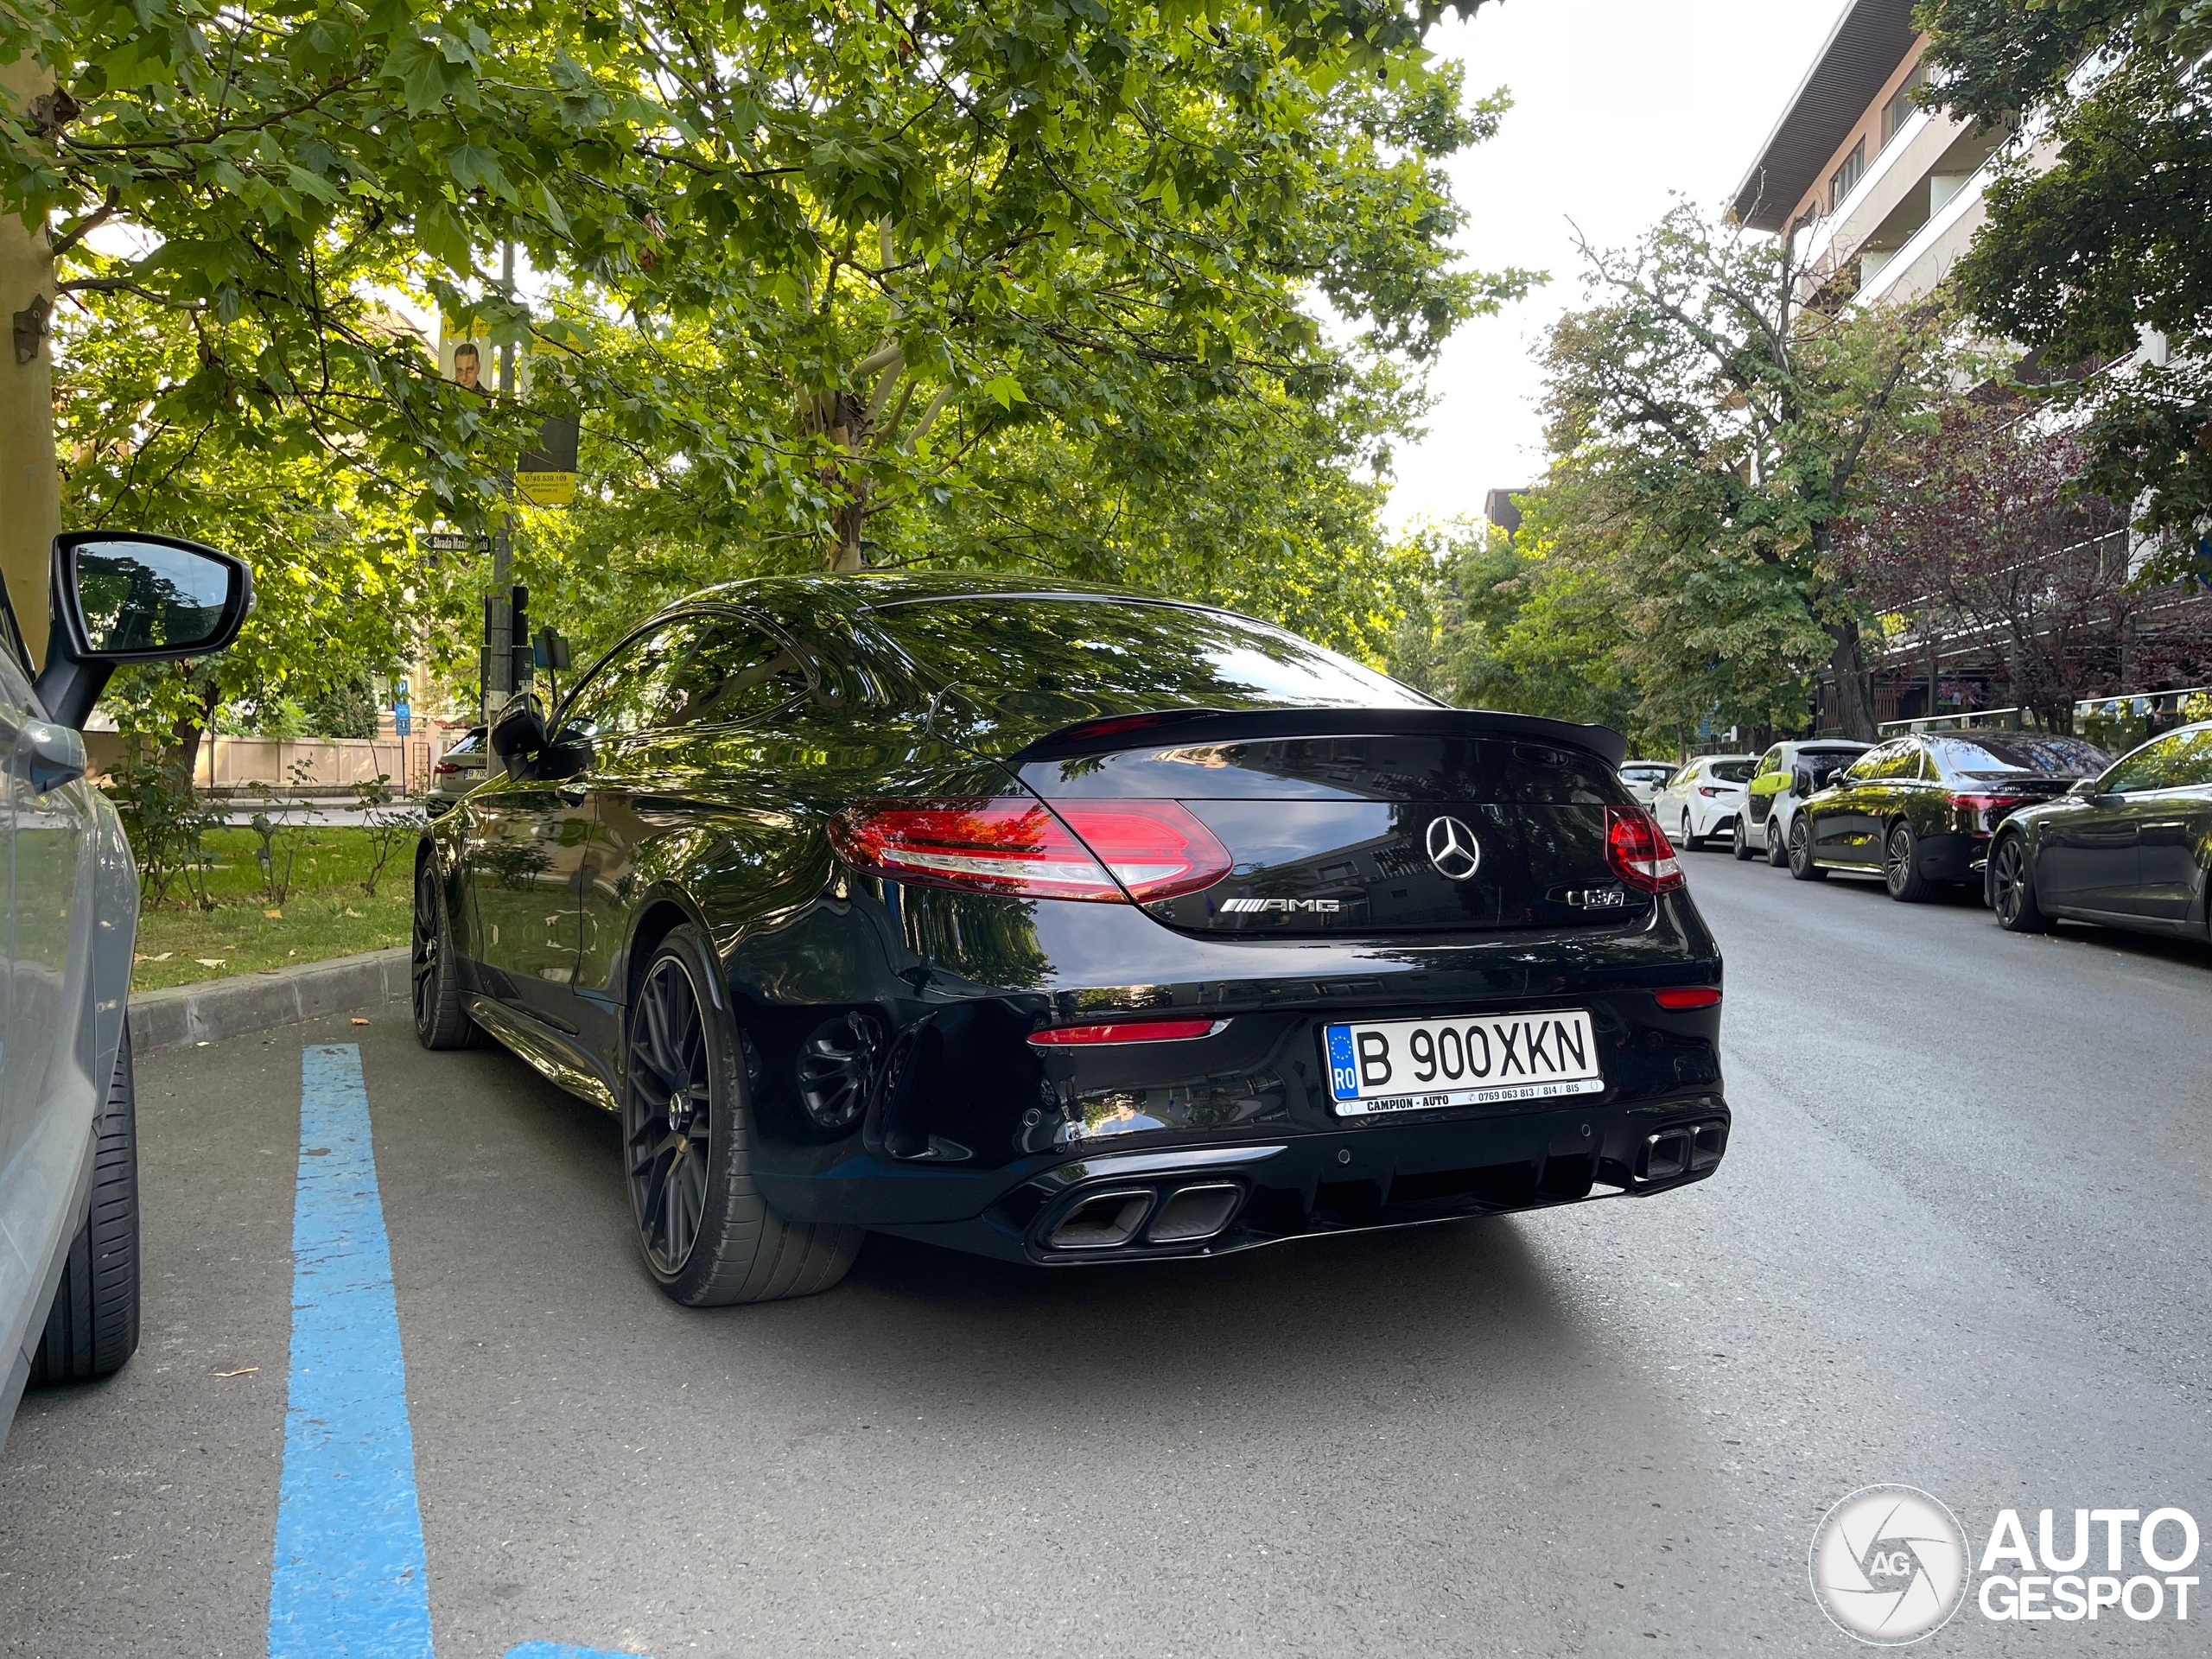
(2177,760)
(729,671)
(1867,765)
(625,689)
(1770,762)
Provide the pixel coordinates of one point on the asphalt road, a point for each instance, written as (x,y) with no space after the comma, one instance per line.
(1960,1241)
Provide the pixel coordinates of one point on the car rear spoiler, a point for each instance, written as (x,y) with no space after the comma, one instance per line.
(1112,733)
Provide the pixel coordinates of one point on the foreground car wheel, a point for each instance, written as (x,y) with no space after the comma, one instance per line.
(1901,871)
(1802,867)
(441,1020)
(92,1327)
(686,1137)
(2013,886)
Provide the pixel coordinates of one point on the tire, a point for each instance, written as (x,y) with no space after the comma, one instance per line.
(1901,872)
(707,1235)
(2012,888)
(1691,843)
(92,1327)
(1801,867)
(1777,854)
(1740,842)
(440,1019)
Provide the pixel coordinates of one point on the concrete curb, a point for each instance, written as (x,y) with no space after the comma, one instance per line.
(184,1016)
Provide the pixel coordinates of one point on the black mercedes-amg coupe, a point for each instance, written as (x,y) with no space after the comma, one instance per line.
(1064,925)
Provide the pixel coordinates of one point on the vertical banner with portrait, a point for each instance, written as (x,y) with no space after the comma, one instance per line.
(546,475)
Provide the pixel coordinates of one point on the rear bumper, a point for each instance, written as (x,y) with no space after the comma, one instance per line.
(1145,1206)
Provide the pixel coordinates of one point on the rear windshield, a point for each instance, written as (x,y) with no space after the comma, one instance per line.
(1648,774)
(1733,771)
(2008,753)
(1121,648)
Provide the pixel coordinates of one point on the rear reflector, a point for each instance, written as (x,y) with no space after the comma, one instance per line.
(1106,852)
(1135,1031)
(1639,851)
(1687,996)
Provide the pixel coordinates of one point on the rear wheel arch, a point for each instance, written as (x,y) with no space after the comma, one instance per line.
(658,918)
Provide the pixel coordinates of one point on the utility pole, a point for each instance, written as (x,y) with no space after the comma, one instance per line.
(31,482)
(498,619)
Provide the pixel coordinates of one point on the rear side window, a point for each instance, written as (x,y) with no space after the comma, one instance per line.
(1999,753)
(729,671)
(1118,649)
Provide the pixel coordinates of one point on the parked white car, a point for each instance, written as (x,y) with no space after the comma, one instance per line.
(1785,776)
(1702,801)
(1645,778)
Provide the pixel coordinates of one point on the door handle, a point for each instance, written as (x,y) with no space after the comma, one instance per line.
(572,791)
(55,754)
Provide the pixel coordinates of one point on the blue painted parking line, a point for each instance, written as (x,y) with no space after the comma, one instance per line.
(350,1579)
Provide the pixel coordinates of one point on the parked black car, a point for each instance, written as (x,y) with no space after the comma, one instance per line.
(1064,925)
(1919,810)
(2131,848)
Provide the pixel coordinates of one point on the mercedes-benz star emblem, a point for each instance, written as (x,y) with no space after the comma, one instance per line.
(1453,850)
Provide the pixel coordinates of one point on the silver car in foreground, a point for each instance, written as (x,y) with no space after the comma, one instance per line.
(68,1134)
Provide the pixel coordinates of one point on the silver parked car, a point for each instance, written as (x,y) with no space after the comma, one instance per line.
(460,769)
(69,1138)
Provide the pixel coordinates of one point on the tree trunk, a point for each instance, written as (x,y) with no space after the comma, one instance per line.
(845,423)
(1855,681)
(31,482)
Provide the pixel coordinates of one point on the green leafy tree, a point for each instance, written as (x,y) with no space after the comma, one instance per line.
(2112,238)
(887,211)
(1709,432)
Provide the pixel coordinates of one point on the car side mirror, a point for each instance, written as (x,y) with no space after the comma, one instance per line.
(121,597)
(1801,781)
(2085,788)
(518,736)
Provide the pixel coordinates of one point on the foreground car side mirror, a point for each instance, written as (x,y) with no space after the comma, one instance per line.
(2085,788)
(1800,782)
(127,597)
(518,736)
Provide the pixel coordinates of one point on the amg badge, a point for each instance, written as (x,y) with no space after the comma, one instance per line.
(1307,906)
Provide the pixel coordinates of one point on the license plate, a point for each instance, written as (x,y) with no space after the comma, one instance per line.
(1420,1065)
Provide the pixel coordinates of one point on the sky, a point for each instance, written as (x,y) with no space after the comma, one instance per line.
(1618,106)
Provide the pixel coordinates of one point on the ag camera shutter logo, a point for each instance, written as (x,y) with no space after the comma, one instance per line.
(1890,1565)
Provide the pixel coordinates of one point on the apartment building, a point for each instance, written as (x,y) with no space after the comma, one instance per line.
(1881,196)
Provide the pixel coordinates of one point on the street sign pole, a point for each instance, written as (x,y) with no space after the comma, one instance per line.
(499,675)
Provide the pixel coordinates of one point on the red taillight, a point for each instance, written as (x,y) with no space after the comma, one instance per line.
(1680,997)
(1090,850)
(1709,791)
(1639,851)
(445,768)
(1135,1031)
(1986,811)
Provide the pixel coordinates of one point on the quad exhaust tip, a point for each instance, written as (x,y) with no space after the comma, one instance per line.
(1182,1215)
(1686,1149)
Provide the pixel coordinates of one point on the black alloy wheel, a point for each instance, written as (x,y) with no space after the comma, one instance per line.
(1901,872)
(1740,842)
(1802,867)
(687,1140)
(668,1120)
(440,1019)
(2013,886)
